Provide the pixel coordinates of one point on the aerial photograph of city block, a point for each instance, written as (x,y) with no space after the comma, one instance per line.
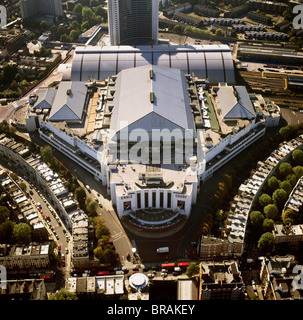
(151,150)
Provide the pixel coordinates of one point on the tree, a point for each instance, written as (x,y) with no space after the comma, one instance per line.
(101,230)
(292,179)
(60,31)
(285,169)
(192,269)
(298,171)
(87,14)
(75,25)
(279,197)
(228,180)
(74,35)
(219,32)
(297,156)
(65,38)
(91,208)
(287,132)
(85,25)
(43,25)
(273,183)
(4,214)
(271,212)
(268,225)
(285,185)
(9,72)
(63,294)
(178,29)
(23,186)
(22,233)
(80,196)
(266,242)
(256,219)
(100,11)
(94,3)
(47,154)
(289,217)
(6,232)
(78,8)
(264,200)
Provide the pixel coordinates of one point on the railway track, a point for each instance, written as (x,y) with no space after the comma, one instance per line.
(275,82)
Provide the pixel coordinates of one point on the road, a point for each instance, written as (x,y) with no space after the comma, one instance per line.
(55,226)
(120,239)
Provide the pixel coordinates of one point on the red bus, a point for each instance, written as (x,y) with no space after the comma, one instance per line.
(183,264)
(103,273)
(168,265)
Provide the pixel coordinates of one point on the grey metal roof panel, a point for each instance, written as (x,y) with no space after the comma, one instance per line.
(116,58)
(133,88)
(229,67)
(68,106)
(196,64)
(235,103)
(143,59)
(215,69)
(45,98)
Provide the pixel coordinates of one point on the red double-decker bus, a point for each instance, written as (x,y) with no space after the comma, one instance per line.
(183,264)
(168,265)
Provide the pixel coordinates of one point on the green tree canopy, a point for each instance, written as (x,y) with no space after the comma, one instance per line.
(256,218)
(75,25)
(287,132)
(289,217)
(192,269)
(87,14)
(6,232)
(285,185)
(47,154)
(266,242)
(91,208)
(264,200)
(271,212)
(279,197)
(63,294)
(4,214)
(78,8)
(285,169)
(22,233)
(74,35)
(268,225)
(273,183)
(292,179)
(80,196)
(298,171)
(297,156)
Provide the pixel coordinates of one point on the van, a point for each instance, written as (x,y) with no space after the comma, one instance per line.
(119,272)
(163,250)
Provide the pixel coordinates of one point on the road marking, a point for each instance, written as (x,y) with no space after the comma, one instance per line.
(118,236)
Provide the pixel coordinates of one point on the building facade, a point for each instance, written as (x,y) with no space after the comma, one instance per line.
(43,7)
(133,22)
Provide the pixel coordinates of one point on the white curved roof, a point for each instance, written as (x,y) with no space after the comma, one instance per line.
(208,61)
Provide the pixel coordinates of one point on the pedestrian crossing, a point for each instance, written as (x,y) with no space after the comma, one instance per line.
(117,236)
